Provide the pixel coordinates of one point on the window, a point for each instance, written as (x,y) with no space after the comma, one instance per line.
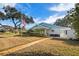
(66,32)
(52,30)
(55,35)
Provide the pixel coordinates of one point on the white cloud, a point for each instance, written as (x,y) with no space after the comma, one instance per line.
(62,7)
(38,20)
(10,4)
(1,10)
(6,4)
(59,8)
(1,5)
(50,19)
(28,4)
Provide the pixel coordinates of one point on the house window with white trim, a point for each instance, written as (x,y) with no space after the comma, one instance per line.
(66,32)
(52,30)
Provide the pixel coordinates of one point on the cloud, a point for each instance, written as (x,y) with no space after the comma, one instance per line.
(62,7)
(10,4)
(6,4)
(1,10)
(50,19)
(1,5)
(38,20)
(28,4)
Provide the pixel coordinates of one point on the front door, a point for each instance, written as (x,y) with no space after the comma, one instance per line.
(63,33)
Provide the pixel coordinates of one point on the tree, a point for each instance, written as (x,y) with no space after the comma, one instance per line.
(2,17)
(71,19)
(16,16)
(13,14)
(63,22)
(76,19)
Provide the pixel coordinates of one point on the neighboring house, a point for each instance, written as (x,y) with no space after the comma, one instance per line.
(6,28)
(55,31)
(1,29)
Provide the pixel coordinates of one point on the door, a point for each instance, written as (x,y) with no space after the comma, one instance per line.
(63,34)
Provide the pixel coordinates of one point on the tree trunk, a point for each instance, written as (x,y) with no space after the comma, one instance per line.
(15,26)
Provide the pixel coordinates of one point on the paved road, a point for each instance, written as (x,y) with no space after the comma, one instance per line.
(11,50)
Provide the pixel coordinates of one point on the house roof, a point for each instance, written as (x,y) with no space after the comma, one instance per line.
(49,26)
(6,27)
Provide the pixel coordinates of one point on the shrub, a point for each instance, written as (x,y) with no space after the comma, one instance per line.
(1,30)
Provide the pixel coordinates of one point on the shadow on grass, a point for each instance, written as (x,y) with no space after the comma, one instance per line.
(74,42)
(28,36)
(2,37)
(23,36)
(59,39)
(31,54)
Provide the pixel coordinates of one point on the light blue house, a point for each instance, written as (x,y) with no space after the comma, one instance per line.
(55,31)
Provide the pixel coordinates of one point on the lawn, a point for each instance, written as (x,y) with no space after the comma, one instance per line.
(9,40)
(51,47)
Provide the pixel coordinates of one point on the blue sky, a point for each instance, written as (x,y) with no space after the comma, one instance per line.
(41,12)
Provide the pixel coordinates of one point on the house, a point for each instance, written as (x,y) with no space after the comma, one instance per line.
(55,31)
(6,28)
(1,29)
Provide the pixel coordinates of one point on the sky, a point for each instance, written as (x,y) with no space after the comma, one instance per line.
(41,12)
